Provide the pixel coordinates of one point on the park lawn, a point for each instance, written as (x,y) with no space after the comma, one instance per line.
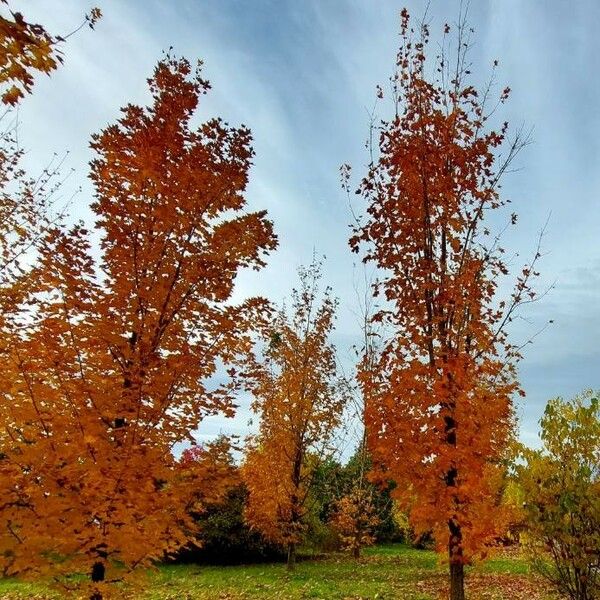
(388,572)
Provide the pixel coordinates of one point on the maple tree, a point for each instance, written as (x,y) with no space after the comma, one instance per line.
(27,204)
(117,362)
(26,48)
(25,218)
(299,398)
(355,515)
(439,409)
(560,484)
(355,519)
(208,473)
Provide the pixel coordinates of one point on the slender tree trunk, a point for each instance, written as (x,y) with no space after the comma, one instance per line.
(356,552)
(291,557)
(295,509)
(455,538)
(457,570)
(98,572)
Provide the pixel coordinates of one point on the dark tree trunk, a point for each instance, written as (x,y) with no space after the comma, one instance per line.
(291,557)
(356,552)
(295,508)
(457,581)
(98,572)
(457,570)
(455,538)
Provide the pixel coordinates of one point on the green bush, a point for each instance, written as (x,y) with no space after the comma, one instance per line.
(226,538)
(561,488)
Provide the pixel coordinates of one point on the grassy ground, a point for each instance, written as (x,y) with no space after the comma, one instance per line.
(385,572)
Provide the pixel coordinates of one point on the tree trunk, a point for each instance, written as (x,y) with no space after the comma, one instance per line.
(356,552)
(455,538)
(98,571)
(457,570)
(295,507)
(457,581)
(291,557)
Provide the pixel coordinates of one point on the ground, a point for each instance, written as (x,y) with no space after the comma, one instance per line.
(392,572)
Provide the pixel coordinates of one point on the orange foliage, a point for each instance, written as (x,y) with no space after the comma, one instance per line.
(112,369)
(439,407)
(355,519)
(26,48)
(299,398)
(24,202)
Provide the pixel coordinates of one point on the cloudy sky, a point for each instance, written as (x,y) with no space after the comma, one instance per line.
(302,75)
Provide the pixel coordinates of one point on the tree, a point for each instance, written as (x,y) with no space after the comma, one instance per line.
(439,396)
(363,479)
(26,48)
(210,472)
(331,482)
(355,519)
(365,509)
(217,497)
(225,537)
(217,500)
(27,210)
(561,488)
(25,202)
(299,398)
(119,363)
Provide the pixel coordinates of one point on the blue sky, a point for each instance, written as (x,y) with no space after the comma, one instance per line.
(302,75)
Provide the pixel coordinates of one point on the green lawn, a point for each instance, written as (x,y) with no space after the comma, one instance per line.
(385,572)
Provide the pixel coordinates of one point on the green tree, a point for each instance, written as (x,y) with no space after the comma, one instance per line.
(561,486)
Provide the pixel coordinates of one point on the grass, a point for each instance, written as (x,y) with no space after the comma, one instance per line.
(384,573)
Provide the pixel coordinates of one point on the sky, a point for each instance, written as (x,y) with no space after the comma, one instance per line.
(302,75)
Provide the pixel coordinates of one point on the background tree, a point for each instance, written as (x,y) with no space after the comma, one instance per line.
(299,398)
(331,481)
(439,399)
(365,508)
(209,470)
(355,519)
(116,366)
(27,48)
(561,487)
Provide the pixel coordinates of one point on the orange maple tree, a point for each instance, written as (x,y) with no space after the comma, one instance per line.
(117,363)
(299,398)
(355,519)
(439,409)
(27,207)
